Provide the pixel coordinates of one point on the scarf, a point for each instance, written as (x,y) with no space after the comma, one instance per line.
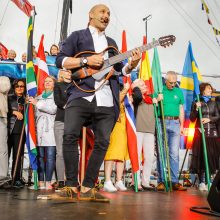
(147,99)
(45,94)
(206,98)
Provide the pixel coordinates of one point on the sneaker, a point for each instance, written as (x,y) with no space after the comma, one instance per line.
(203,187)
(161,187)
(18,184)
(38,188)
(178,187)
(109,187)
(119,185)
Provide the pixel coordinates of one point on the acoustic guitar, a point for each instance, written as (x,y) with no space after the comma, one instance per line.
(99,73)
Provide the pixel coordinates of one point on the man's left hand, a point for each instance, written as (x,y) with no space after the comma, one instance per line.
(135,58)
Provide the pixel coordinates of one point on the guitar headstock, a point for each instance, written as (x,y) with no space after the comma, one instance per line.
(166,41)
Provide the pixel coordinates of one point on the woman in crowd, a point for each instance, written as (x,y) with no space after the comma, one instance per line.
(54,50)
(118,150)
(210,116)
(60,98)
(145,126)
(4,89)
(16,105)
(45,116)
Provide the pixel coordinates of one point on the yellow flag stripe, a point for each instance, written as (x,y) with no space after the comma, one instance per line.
(187,83)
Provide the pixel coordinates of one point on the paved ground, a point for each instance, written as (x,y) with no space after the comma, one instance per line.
(22,204)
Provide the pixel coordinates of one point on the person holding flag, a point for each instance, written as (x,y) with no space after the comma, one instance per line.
(145,126)
(210,116)
(174,118)
(118,148)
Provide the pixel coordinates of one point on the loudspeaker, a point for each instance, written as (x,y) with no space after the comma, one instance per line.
(214,194)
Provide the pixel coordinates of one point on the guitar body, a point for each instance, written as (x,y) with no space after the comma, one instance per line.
(97,73)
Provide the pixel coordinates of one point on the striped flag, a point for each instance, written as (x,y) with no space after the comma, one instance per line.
(130,120)
(31,140)
(3,51)
(187,84)
(145,70)
(41,67)
(24,5)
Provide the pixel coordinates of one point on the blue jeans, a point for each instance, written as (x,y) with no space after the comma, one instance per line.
(173,141)
(46,162)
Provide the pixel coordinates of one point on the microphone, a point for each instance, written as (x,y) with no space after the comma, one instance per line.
(101,20)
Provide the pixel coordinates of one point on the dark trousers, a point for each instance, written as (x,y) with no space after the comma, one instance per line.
(103,120)
(13,144)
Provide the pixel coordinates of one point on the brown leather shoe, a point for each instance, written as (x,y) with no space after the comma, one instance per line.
(161,187)
(93,196)
(178,187)
(65,193)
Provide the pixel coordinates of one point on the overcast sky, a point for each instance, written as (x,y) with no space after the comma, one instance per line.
(184,19)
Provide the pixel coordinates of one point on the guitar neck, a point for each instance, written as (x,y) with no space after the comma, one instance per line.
(123,56)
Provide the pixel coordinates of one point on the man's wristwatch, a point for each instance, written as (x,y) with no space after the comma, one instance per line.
(83,61)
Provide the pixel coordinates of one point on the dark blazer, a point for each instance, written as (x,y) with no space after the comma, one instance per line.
(80,41)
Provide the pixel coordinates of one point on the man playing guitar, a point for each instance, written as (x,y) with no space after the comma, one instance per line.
(90,99)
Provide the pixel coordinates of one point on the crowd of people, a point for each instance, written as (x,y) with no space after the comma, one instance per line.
(66,105)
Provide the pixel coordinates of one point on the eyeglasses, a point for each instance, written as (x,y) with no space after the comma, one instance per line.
(19,86)
(172,83)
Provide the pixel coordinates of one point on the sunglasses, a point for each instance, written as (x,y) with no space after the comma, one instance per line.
(19,86)
(171,83)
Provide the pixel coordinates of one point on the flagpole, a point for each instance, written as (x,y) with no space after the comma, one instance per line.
(166,145)
(160,149)
(204,146)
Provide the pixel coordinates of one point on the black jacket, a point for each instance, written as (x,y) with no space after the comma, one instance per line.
(60,99)
(15,103)
(209,110)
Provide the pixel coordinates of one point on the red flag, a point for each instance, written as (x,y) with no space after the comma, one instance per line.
(25,6)
(41,68)
(3,51)
(145,70)
(130,119)
(124,42)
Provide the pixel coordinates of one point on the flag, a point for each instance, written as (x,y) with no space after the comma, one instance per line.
(205,6)
(131,130)
(53,70)
(187,83)
(156,74)
(30,75)
(31,140)
(41,69)
(3,51)
(145,70)
(190,88)
(25,6)
(130,119)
